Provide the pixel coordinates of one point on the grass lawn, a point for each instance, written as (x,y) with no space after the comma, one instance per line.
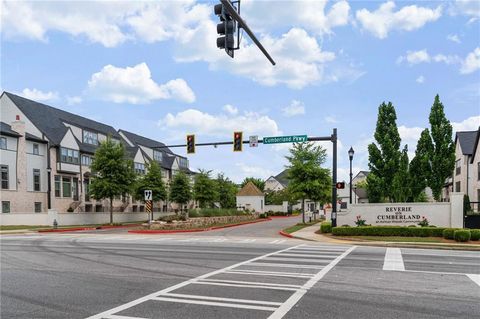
(403,239)
(299,226)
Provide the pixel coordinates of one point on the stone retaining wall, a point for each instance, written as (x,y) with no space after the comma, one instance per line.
(201,222)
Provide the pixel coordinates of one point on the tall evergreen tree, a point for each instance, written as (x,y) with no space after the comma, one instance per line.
(180,190)
(443,153)
(401,190)
(420,167)
(113,173)
(204,190)
(308,180)
(384,159)
(152,180)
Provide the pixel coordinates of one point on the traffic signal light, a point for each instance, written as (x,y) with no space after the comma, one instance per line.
(340,185)
(190,144)
(226,29)
(237,141)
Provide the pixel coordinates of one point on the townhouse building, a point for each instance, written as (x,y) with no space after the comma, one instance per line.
(45,156)
(466,177)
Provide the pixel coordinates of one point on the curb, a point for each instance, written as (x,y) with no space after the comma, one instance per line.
(283,216)
(119,226)
(170,231)
(285,234)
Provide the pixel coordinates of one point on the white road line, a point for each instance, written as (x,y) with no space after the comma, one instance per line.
(284,265)
(266,274)
(247,241)
(282,241)
(235,300)
(321,250)
(242,286)
(287,305)
(161,239)
(393,260)
(251,283)
(121,317)
(475,278)
(272,272)
(274,241)
(309,255)
(180,285)
(212,303)
(317,260)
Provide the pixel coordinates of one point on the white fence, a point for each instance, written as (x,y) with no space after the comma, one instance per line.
(405,214)
(277,208)
(73,218)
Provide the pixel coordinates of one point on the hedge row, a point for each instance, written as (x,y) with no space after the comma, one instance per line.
(388,231)
(326,227)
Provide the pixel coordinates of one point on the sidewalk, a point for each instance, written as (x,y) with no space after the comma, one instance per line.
(308,233)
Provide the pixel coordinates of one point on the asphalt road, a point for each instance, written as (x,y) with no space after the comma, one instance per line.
(243,272)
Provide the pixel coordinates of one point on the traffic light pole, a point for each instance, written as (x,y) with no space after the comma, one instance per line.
(332,138)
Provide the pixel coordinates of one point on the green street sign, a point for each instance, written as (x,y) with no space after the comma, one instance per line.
(285,139)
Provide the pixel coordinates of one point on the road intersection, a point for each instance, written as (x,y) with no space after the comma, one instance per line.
(227,274)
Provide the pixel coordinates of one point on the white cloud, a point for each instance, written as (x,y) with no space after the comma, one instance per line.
(314,16)
(72,100)
(219,125)
(300,60)
(471,62)
(409,134)
(454,38)
(230,109)
(415,57)
(295,108)
(420,79)
(469,8)
(248,170)
(447,59)
(383,20)
(39,96)
(470,124)
(135,85)
(331,119)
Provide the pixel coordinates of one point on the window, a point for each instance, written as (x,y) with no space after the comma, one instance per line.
(183,162)
(38,207)
(458,167)
(457,186)
(157,155)
(4,176)
(3,143)
(90,137)
(478,171)
(68,155)
(88,208)
(36,180)
(67,186)
(57,186)
(98,208)
(139,168)
(36,149)
(5,207)
(86,160)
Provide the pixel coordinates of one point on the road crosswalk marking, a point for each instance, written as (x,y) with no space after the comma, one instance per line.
(278,309)
(393,260)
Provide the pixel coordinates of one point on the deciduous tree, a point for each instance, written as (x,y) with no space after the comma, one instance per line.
(204,190)
(180,190)
(151,180)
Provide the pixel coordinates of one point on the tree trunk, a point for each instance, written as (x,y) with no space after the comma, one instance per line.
(111,210)
(303,210)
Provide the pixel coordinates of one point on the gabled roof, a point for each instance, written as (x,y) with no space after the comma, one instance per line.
(140,140)
(6,129)
(475,147)
(362,172)
(250,190)
(49,120)
(282,178)
(467,141)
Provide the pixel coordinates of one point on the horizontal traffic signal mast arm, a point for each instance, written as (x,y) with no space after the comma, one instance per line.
(310,139)
(231,10)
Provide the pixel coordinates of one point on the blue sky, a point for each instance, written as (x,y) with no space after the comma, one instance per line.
(153,68)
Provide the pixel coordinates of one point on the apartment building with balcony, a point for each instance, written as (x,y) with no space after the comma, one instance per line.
(45,156)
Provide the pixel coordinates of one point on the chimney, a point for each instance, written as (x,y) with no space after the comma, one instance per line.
(19,127)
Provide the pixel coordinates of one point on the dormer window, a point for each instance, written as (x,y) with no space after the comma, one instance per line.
(157,155)
(182,162)
(90,137)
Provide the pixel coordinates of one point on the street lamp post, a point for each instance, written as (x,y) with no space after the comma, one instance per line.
(350,156)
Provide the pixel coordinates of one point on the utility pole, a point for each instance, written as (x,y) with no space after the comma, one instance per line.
(334,179)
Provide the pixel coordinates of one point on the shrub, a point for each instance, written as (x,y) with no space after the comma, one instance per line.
(423,222)
(263,215)
(326,227)
(388,231)
(360,222)
(474,234)
(448,233)
(462,235)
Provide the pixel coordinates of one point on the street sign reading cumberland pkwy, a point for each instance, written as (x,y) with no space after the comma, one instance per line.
(285,139)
